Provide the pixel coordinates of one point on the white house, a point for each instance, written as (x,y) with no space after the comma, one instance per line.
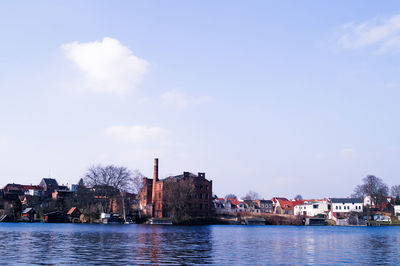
(312,208)
(241,207)
(397,210)
(368,201)
(346,205)
(341,207)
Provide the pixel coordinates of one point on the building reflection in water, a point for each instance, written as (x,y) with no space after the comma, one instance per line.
(219,245)
(181,245)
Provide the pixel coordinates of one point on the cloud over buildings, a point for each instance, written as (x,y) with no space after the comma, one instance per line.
(382,33)
(106,65)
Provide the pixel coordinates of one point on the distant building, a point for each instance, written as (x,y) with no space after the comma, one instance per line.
(266,206)
(74,215)
(152,195)
(252,206)
(397,210)
(32,190)
(49,185)
(342,207)
(62,194)
(313,208)
(72,187)
(28,215)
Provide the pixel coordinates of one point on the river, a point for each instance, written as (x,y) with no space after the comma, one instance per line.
(218,244)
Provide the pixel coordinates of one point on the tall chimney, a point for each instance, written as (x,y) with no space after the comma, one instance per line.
(155,175)
(155,179)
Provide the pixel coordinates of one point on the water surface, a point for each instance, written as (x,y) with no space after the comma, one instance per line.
(217,244)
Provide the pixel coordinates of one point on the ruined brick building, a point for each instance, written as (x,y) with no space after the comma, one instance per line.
(153,199)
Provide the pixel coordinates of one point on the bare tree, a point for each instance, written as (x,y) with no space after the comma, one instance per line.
(373,187)
(395,191)
(230,196)
(251,195)
(178,199)
(118,177)
(137,181)
(298,197)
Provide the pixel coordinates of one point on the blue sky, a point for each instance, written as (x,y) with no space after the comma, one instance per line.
(277,97)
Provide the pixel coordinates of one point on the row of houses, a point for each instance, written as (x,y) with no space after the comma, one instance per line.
(48,187)
(332,208)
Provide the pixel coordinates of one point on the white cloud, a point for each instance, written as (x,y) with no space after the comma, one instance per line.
(347,152)
(107,65)
(384,33)
(174,98)
(139,134)
(177,99)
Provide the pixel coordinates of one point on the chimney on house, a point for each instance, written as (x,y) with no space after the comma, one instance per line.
(155,179)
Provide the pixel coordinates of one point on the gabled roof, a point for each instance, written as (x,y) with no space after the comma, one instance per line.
(27,210)
(72,210)
(16,186)
(285,204)
(50,181)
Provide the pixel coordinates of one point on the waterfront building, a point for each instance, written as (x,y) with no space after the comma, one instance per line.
(313,208)
(397,210)
(74,215)
(266,206)
(252,206)
(28,215)
(342,207)
(153,194)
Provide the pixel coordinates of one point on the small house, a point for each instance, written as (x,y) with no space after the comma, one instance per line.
(55,217)
(74,215)
(28,215)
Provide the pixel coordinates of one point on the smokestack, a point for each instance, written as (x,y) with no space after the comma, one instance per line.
(155,175)
(155,179)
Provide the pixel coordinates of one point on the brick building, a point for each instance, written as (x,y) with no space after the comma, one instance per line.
(152,200)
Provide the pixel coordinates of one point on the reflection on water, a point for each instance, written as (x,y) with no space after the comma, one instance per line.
(219,245)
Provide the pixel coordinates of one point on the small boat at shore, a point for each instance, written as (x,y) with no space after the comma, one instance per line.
(111,218)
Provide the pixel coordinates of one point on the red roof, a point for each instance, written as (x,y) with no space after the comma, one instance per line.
(286,204)
(235,201)
(28,187)
(71,210)
(297,202)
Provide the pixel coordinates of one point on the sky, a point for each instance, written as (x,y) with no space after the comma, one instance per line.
(278,97)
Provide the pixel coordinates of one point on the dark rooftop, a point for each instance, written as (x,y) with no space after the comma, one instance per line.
(346,200)
(50,182)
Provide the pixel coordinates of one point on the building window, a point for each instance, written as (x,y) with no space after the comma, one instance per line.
(201,206)
(336,207)
(200,196)
(207,187)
